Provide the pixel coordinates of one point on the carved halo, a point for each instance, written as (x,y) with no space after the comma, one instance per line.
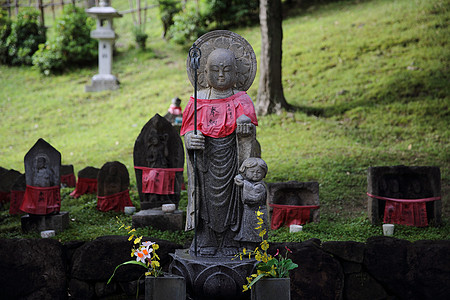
(243,51)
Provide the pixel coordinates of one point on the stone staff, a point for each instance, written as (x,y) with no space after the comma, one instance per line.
(194,56)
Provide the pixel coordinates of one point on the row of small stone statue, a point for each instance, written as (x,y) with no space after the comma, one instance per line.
(37,192)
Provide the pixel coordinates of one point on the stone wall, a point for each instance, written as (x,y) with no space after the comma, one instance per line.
(381,268)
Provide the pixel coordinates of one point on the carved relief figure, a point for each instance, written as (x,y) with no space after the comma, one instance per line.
(43,175)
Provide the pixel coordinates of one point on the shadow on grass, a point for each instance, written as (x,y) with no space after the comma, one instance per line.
(407,86)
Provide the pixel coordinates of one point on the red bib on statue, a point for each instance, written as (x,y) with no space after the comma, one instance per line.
(217,117)
(85,186)
(41,200)
(115,202)
(290,215)
(159,181)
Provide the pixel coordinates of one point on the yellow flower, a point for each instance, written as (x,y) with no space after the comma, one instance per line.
(155,264)
(259,213)
(262,233)
(245,288)
(131,237)
(264,245)
(138,240)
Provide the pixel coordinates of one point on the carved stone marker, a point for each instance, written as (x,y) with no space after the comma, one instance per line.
(404,195)
(42,167)
(87,182)
(112,191)
(67,176)
(42,200)
(158,160)
(17,194)
(293,202)
(7,179)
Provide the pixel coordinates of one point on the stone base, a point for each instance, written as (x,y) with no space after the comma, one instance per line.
(58,222)
(102,82)
(157,219)
(212,278)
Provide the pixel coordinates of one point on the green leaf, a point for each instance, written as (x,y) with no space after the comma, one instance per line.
(256,279)
(131,262)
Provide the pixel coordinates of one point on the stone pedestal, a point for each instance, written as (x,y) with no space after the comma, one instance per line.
(156,218)
(58,222)
(102,82)
(212,278)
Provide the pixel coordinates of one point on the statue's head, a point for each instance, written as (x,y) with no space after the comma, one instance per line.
(41,162)
(221,69)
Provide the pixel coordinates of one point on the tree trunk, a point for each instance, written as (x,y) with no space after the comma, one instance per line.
(270,92)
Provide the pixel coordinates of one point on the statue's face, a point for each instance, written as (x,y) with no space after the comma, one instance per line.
(40,163)
(254,173)
(221,69)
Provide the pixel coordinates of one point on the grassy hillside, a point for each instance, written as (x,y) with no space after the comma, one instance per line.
(369,80)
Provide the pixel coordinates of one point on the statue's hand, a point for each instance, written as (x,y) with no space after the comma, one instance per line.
(194,141)
(239,180)
(245,129)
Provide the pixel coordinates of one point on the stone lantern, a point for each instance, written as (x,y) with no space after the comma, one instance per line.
(105,34)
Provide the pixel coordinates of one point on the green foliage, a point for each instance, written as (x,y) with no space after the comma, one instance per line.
(167,9)
(72,44)
(26,35)
(232,13)
(140,36)
(5,31)
(194,21)
(188,26)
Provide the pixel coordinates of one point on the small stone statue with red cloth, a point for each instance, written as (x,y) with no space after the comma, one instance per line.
(174,111)
(227,69)
(42,172)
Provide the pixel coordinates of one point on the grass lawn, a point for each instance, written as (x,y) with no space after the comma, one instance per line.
(369,81)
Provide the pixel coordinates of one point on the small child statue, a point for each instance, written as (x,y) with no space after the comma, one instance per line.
(252,172)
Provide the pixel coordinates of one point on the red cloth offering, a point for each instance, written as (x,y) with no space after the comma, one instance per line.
(411,212)
(175,110)
(217,117)
(159,181)
(41,200)
(69,180)
(85,186)
(290,215)
(4,197)
(16,202)
(115,202)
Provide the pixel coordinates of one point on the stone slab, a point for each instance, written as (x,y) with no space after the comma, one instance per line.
(157,219)
(58,222)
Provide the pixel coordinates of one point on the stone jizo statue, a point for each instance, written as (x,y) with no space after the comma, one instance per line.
(254,194)
(227,69)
